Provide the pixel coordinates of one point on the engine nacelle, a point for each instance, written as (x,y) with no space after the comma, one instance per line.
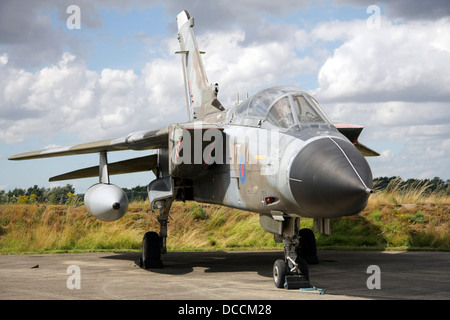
(106,202)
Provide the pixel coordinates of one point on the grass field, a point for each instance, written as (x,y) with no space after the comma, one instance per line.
(394,219)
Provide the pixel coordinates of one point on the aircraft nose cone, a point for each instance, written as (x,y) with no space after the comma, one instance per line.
(330,178)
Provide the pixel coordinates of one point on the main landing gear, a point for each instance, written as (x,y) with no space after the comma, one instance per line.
(153,245)
(299,248)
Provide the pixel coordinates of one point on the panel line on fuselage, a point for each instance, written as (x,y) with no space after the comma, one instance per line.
(351,164)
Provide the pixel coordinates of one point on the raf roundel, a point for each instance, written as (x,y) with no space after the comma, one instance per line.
(242,169)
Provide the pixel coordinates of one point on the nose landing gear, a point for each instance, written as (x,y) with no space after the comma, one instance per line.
(292,272)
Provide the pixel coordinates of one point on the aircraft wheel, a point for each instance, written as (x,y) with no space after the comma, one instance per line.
(307,246)
(279,273)
(151,251)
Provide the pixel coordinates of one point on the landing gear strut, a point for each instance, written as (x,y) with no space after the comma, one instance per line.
(292,272)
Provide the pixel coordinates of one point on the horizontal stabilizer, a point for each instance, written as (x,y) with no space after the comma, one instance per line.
(146,163)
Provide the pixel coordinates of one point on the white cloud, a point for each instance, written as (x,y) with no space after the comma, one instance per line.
(4,59)
(419,131)
(390,113)
(117,81)
(393,81)
(239,67)
(46,101)
(387,155)
(68,97)
(401,62)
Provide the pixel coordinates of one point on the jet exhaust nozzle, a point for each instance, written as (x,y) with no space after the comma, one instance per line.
(107,202)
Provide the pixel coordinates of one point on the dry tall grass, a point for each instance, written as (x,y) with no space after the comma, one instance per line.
(396,194)
(59,228)
(410,217)
(394,218)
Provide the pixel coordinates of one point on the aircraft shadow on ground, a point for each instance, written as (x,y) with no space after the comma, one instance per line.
(355,230)
(338,272)
(179,263)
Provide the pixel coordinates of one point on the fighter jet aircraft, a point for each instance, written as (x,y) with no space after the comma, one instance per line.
(276,154)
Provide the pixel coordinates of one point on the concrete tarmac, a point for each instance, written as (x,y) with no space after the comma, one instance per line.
(223,276)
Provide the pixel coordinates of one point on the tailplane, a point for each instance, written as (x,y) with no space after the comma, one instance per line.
(201,96)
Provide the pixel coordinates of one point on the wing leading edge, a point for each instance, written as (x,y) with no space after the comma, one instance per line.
(143,140)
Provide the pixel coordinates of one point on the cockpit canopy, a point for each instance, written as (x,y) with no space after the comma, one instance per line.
(283,107)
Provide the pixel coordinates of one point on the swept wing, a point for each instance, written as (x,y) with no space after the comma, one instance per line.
(145,163)
(143,140)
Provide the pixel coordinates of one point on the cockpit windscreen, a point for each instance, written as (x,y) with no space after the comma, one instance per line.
(305,111)
(283,107)
(280,115)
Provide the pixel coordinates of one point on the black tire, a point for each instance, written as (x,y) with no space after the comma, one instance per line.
(307,247)
(279,273)
(151,251)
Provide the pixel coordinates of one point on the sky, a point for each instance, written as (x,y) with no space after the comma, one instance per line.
(384,65)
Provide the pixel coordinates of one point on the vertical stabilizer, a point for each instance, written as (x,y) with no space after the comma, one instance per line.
(201,97)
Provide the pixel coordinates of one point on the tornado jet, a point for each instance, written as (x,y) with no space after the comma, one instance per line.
(276,154)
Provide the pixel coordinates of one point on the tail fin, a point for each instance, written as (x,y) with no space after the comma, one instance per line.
(201,97)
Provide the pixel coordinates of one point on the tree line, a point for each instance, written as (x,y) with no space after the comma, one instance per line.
(435,185)
(67,195)
(59,195)
(35,194)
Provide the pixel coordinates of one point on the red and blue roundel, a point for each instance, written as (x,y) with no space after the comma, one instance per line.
(242,170)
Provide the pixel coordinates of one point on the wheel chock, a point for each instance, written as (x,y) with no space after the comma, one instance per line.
(296,282)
